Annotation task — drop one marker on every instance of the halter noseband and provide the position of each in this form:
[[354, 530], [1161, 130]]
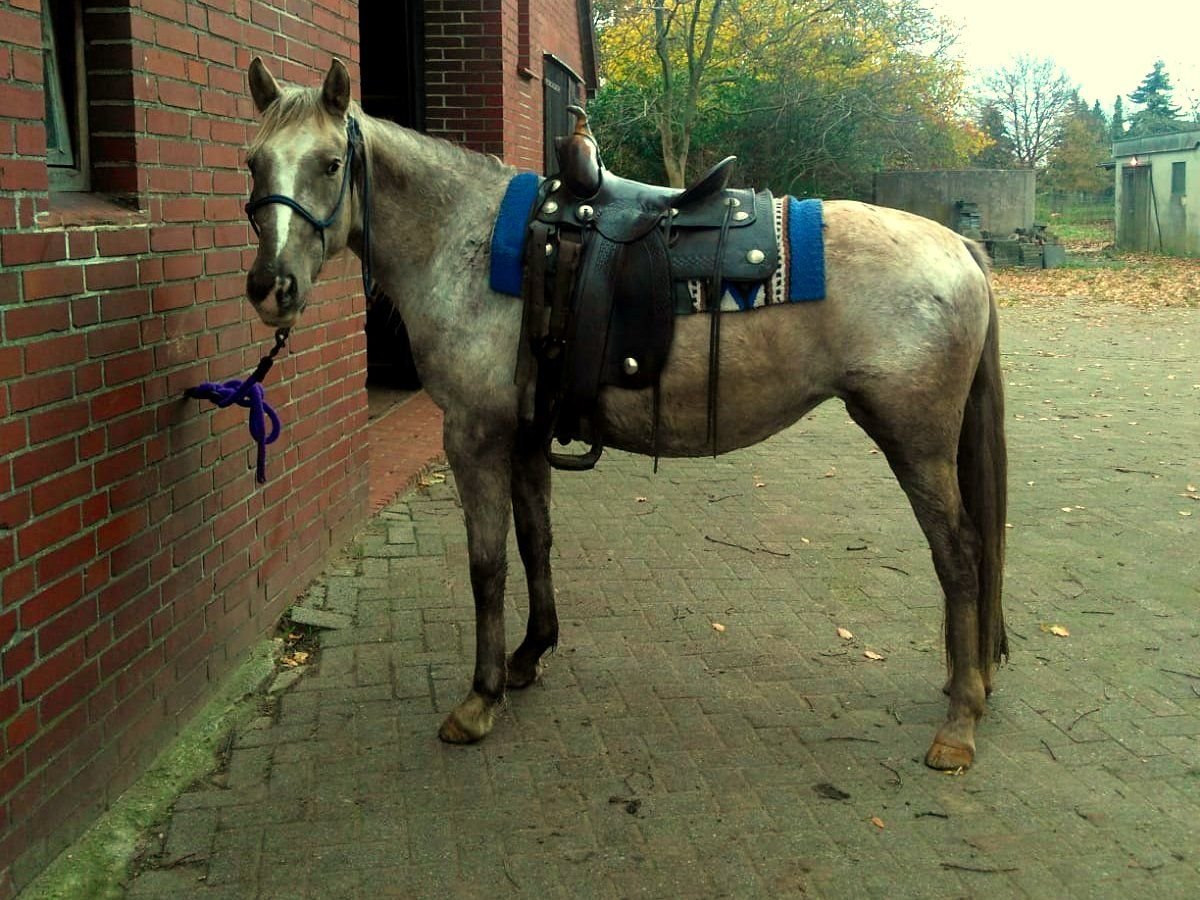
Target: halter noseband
[[353, 136]]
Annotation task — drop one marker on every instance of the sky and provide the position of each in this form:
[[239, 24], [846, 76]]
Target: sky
[[1105, 48]]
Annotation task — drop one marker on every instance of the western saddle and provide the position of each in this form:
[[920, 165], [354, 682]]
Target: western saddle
[[609, 263]]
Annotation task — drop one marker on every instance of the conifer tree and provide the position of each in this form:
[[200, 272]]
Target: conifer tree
[[1157, 115]]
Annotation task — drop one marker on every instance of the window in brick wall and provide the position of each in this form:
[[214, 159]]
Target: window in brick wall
[[66, 95], [560, 89]]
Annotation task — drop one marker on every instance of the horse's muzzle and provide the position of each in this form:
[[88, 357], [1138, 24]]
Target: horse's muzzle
[[276, 297]]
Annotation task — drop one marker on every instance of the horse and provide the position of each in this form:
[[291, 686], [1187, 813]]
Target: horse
[[906, 337]]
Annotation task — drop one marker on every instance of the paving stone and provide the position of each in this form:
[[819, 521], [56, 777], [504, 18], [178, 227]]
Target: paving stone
[[661, 758]]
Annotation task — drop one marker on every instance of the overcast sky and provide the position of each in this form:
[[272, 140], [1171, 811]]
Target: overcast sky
[[1106, 48]]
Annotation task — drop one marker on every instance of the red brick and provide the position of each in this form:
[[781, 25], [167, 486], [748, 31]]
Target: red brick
[[119, 465], [29, 393], [20, 729], [18, 658], [33, 247], [124, 242], [181, 266], [127, 556], [173, 296], [58, 421], [58, 281], [113, 339], [52, 671], [117, 305], [10, 363], [30, 321], [81, 244], [9, 698], [72, 623], [116, 402], [121, 591], [54, 353], [22, 174], [128, 366], [108, 275], [45, 532], [70, 693], [60, 490]]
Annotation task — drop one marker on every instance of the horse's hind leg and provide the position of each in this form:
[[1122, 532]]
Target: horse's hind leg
[[922, 454], [531, 510], [481, 465]]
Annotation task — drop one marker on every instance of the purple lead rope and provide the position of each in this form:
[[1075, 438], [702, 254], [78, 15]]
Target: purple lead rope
[[250, 395]]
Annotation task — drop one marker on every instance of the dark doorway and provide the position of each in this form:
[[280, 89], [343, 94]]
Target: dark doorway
[[392, 54], [1136, 226]]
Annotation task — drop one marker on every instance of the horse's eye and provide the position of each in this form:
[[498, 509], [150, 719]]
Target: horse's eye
[[333, 167]]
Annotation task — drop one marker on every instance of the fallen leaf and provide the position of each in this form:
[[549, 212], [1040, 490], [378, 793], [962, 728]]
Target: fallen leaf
[[831, 473], [1185, 512], [641, 499], [1059, 630], [717, 626], [877, 822], [871, 654], [760, 484], [845, 633]]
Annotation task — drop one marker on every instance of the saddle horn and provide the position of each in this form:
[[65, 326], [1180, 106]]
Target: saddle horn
[[579, 157]]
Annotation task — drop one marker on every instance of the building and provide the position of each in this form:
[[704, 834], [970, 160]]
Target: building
[[139, 561], [1154, 178]]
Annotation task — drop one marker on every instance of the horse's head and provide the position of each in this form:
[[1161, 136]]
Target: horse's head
[[300, 203]]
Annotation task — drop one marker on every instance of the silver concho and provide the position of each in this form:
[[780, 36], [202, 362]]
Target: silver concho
[[754, 257], [630, 366]]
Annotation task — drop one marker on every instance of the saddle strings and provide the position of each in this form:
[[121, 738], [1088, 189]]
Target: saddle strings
[[716, 291]]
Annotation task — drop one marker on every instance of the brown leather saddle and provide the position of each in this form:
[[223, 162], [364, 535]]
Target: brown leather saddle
[[608, 266]]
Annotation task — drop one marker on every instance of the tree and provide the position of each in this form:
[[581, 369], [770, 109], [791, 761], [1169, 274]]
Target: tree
[[1034, 95], [704, 78], [1075, 162], [999, 152], [1117, 127], [1157, 115]]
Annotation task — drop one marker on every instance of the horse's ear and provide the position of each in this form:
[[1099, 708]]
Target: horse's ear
[[263, 87], [335, 93]]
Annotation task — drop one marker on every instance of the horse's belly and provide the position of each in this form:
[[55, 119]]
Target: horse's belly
[[772, 371]]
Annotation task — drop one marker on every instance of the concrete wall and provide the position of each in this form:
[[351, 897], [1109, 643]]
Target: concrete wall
[[1005, 196]]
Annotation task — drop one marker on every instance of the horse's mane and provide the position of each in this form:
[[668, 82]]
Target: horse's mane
[[296, 105]]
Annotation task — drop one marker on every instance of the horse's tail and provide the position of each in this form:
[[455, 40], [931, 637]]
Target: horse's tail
[[983, 481]]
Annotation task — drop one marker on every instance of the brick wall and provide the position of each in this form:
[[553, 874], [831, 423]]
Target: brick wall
[[483, 68], [138, 559]]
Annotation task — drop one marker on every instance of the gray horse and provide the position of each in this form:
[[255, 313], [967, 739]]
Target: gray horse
[[907, 338]]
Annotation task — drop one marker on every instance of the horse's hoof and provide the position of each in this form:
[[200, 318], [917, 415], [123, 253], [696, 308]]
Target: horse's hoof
[[949, 756], [470, 721], [521, 674]]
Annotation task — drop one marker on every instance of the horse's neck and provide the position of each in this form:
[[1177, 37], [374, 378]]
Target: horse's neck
[[430, 202]]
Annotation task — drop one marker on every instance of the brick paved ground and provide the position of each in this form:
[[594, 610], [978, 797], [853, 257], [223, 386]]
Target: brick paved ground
[[662, 758]]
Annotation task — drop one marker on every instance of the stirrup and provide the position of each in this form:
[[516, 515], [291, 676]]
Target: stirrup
[[572, 462]]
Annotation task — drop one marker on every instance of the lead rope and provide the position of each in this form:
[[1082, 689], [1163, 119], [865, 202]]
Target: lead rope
[[249, 394]]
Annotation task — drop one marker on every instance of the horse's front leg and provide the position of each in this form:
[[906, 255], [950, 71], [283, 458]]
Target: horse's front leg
[[481, 461], [531, 510]]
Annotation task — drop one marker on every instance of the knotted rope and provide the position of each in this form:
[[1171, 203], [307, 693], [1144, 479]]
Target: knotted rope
[[250, 395]]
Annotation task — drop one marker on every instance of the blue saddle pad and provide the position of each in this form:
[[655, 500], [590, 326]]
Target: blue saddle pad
[[798, 228]]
